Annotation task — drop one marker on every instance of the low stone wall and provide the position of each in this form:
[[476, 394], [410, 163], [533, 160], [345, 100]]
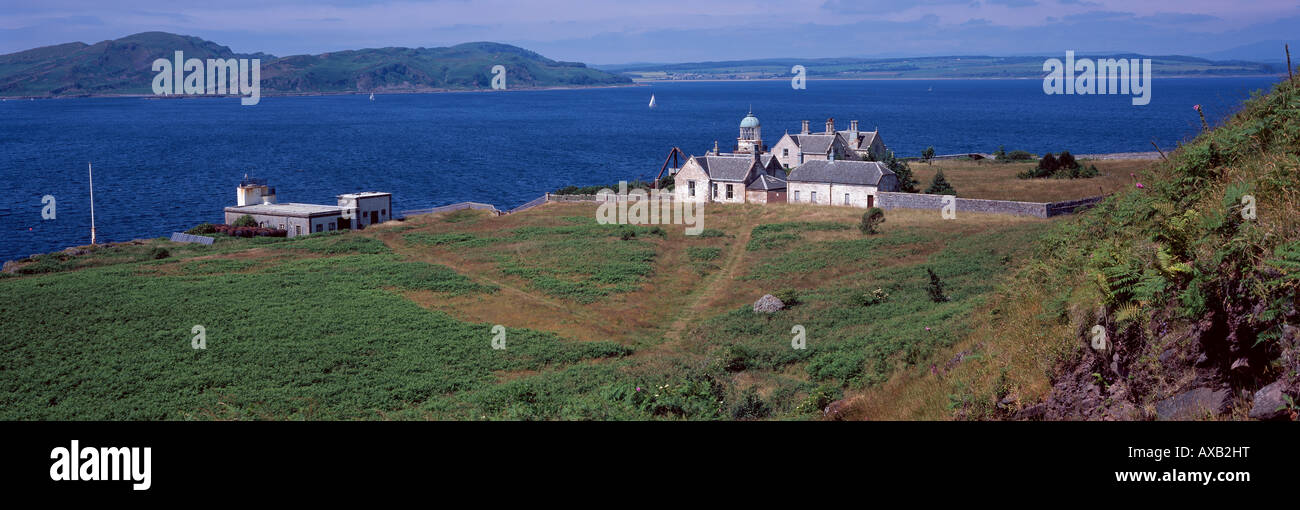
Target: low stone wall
[[896, 200], [1073, 206]]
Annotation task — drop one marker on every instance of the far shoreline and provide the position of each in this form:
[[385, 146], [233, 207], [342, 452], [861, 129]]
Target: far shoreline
[[944, 78], [316, 94]]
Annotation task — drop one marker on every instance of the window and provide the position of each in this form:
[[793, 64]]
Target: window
[[729, 191], [319, 227], [383, 212], [785, 153], [690, 188], [796, 195], [812, 196], [332, 227], [713, 189], [297, 230], [846, 199]]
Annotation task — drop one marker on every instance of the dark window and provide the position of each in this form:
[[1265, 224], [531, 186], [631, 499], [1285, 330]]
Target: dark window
[[319, 227], [729, 191], [812, 196], [690, 185]]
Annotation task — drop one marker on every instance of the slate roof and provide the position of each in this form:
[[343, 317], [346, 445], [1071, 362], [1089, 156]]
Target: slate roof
[[814, 143], [766, 182], [726, 168], [865, 138], [863, 173]]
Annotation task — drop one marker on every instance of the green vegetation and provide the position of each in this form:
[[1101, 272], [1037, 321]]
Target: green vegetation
[[1059, 167], [871, 221], [1211, 239], [121, 67], [592, 190], [244, 221], [940, 186]]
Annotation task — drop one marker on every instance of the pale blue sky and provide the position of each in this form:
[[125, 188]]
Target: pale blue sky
[[621, 31]]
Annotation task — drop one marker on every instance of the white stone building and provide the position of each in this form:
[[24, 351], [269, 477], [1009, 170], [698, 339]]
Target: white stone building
[[847, 183]]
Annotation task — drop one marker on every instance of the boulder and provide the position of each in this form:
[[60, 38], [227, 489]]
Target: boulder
[[835, 410], [768, 304], [1193, 404], [1269, 402]]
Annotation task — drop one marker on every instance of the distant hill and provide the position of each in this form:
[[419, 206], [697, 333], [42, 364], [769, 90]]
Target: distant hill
[[123, 66], [925, 67]]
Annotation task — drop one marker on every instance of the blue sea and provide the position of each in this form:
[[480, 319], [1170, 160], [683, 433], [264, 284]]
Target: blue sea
[[166, 165]]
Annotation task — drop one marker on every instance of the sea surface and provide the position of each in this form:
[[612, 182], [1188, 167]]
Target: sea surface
[[165, 165]]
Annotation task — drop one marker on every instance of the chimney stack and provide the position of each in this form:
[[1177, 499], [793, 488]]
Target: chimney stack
[[805, 128], [830, 126], [715, 147], [853, 125]]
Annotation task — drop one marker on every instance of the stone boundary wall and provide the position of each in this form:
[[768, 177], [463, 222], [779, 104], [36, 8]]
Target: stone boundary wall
[[897, 200]]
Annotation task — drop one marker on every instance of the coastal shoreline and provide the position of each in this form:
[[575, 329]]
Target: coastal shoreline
[[316, 94], [944, 78]]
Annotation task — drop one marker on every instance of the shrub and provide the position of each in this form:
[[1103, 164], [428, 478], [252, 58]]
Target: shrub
[[1067, 161], [871, 219], [940, 186], [935, 289], [750, 407], [1019, 156], [202, 229], [1047, 165], [244, 221], [788, 295], [872, 298], [159, 252]]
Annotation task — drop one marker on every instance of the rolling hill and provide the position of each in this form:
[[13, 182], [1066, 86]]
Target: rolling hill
[[122, 66]]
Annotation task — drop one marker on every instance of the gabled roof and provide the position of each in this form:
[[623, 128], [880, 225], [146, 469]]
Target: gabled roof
[[766, 182], [864, 173], [726, 168], [818, 143], [865, 138]]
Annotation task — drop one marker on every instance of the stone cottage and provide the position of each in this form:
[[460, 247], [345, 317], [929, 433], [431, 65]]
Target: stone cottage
[[847, 183]]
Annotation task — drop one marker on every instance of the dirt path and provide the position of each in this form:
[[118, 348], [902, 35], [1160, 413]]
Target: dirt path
[[704, 293]]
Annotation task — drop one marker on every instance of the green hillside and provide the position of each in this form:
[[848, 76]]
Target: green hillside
[[1188, 284], [925, 67], [123, 66]]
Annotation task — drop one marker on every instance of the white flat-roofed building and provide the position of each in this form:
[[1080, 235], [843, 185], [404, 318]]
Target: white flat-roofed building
[[354, 210]]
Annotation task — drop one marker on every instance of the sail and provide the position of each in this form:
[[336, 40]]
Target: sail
[[652, 100]]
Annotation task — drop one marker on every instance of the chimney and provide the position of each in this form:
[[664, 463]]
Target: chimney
[[805, 128], [853, 125], [830, 126], [715, 147]]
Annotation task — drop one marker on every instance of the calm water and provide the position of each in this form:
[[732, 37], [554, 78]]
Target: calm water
[[163, 166]]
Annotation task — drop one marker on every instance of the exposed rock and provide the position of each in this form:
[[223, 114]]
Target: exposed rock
[[1269, 402], [768, 304], [1031, 413], [835, 410], [1193, 404], [9, 267], [1241, 364]]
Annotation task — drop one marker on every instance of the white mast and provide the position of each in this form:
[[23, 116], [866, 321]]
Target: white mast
[[91, 170]]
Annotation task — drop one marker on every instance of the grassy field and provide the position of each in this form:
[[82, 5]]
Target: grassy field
[[997, 181], [396, 322]]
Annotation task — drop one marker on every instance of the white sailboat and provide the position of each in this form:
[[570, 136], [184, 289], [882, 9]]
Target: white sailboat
[[652, 100], [372, 96]]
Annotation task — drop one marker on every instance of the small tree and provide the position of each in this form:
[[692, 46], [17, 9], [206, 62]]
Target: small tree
[[928, 154], [1001, 152], [1047, 165], [939, 185], [935, 288], [1066, 160], [871, 220], [906, 183], [245, 221]]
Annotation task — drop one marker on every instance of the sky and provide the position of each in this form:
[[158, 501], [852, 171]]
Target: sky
[[627, 31]]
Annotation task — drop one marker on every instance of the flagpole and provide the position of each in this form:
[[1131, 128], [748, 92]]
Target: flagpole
[[91, 170]]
